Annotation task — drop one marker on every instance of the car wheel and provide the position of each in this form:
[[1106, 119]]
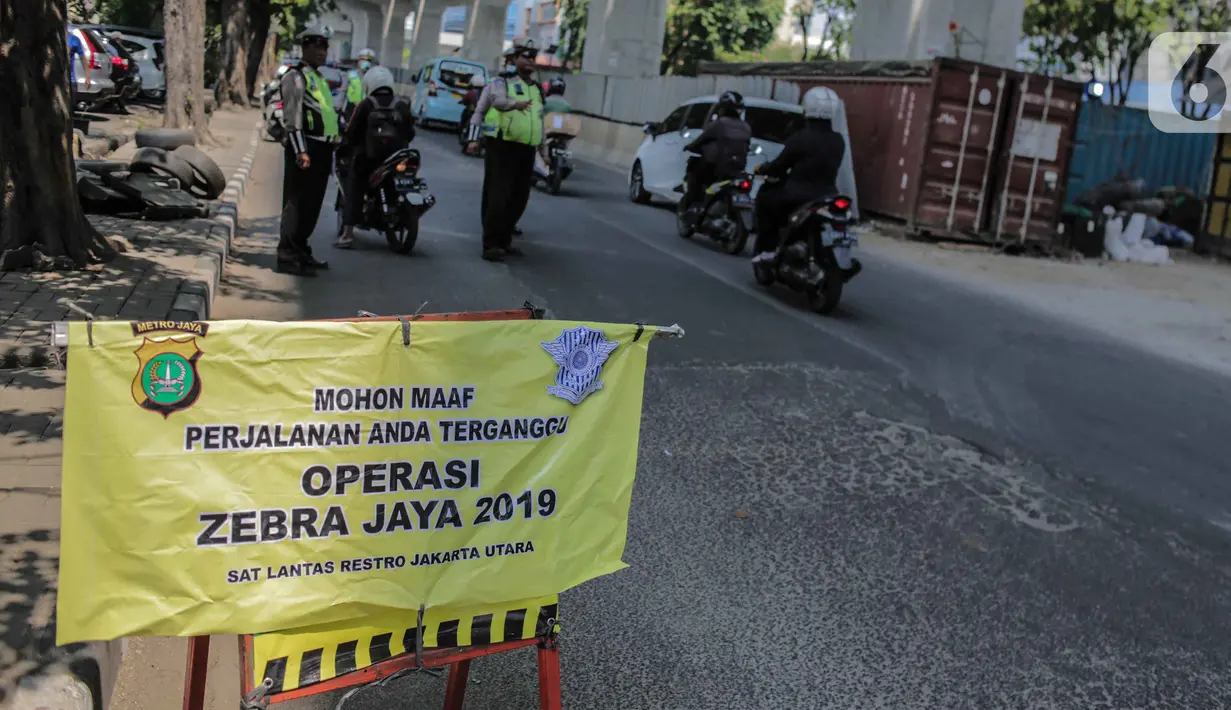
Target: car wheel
[[636, 186], [208, 179], [165, 138], [160, 161]]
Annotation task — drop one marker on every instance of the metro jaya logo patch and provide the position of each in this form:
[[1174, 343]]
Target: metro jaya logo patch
[[167, 379]]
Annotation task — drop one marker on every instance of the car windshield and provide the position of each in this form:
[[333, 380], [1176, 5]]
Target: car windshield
[[456, 75], [771, 124]]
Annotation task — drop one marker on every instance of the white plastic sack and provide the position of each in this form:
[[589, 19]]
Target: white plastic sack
[[1124, 243]]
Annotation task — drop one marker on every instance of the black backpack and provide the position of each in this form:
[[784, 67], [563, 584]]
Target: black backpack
[[382, 137]]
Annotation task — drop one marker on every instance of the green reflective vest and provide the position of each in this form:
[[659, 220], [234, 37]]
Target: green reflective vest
[[319, 117], [354, 89], [517, 126]]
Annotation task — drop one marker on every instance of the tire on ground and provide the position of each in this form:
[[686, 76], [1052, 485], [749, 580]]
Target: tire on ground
[[208, 180], [159, 160], [165, 138], [101, 167]]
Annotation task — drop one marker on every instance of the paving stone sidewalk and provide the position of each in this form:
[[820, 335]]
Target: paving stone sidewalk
[[169, 270]]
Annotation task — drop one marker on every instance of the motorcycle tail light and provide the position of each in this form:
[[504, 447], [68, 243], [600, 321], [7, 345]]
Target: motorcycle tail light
[[401, 167], [279, 104], [745, 185], [117, 62], [841, 203]]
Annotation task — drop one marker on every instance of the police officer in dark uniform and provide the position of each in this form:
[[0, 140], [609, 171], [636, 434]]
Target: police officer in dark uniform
[[510, 116], [311, 135]]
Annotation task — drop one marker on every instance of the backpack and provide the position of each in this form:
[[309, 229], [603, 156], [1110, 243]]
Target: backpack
[[382, 137]]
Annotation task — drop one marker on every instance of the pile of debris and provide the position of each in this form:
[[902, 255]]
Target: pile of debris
[[167, 178], [1118, 218]]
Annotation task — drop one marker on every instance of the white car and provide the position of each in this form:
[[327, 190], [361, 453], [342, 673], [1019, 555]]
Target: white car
[[661, 161]]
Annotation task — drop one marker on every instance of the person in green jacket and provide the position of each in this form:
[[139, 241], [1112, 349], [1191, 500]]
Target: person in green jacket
[[555, 102], [354, 81]]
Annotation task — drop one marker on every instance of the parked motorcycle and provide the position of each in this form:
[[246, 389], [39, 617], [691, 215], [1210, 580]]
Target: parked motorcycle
[[725, 215], [814, 255], [551, 173], [271, 110], [395, 200]]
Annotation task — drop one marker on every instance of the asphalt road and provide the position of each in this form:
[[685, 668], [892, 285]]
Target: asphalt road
[[931, 500]]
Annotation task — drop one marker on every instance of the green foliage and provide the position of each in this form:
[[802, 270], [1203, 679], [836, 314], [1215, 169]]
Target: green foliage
[[573, 18], [292, 15], [1106, 38], [697, 30]]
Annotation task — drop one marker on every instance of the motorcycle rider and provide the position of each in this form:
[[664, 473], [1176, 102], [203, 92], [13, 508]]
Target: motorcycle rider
[[471, 97], [809, 163], [311, 134], [354, 80], [555, 102], [380, 126], [723, 146]]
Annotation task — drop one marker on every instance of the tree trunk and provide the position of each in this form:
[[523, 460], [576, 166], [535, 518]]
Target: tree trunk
[[184, 22], [41, 220], [233, 85], [268, 66], [258, 34]]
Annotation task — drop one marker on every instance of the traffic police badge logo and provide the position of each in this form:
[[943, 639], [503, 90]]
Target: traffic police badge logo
[[167, 380], [580, 352]]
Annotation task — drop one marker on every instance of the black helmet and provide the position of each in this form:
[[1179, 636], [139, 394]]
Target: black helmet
[[555, 86], [730, 103]]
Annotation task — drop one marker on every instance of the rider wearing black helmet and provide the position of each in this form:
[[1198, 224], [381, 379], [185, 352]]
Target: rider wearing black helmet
[[555, 103], [723, 146]]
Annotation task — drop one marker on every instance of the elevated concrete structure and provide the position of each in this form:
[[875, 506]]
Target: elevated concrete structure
[[484, 40], [990, 30], [624, 38], [425, 40]]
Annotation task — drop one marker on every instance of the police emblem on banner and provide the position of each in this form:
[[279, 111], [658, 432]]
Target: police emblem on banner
[[167, 380], [580, 352]]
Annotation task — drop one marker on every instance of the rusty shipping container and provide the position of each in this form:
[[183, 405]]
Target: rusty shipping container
[[951, 147]]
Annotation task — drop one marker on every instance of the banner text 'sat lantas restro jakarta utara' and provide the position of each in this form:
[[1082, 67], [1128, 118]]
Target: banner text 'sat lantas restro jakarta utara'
[[244, 477]]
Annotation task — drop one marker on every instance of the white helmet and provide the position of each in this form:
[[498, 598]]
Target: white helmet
[[821, 102], [377, 78], [367, 54], [477, 81]]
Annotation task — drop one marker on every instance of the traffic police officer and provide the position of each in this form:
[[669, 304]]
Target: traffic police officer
[[311, 135], [354, 84], [510, 117]]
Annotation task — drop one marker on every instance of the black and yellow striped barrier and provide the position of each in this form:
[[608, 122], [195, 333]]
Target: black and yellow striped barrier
[[305, 657]]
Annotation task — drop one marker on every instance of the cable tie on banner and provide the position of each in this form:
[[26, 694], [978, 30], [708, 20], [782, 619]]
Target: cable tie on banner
[[367, 314], [89, 317], [405, 331], [640, 331]]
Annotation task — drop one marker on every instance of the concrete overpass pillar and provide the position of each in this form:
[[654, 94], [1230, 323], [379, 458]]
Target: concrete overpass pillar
[[625, 37], [393, 32], [919, 29], [425, 44], [484, 40]]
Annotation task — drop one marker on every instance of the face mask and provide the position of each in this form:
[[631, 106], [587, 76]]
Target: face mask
[[365, 65]]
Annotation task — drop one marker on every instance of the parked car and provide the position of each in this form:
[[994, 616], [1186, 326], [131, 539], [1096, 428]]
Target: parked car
[[660, 162], [439, 88], [125, 72], [147, 48], [100, 88]]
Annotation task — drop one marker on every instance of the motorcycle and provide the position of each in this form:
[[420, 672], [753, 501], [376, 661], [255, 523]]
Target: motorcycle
[[271, 110], [725, 215], [395, 200], [550, 174], [814, 255]]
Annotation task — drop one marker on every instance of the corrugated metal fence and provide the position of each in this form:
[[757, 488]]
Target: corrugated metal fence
[[1112, 140], [642, 100]]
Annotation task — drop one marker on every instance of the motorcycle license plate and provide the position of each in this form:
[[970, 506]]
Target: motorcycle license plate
[[278, 113], [417, 199], [835, 238], [742, 200], [404, 184]]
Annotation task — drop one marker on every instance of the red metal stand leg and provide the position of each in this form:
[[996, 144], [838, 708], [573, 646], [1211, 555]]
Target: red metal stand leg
[[549, 676], [455, 686], [194, 674]]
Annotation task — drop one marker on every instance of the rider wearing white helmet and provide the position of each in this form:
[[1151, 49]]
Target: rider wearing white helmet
[[354, 80], [808, 167], [380, 126]]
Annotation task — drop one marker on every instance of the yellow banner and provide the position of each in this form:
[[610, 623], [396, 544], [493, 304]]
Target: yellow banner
[[246, 477]]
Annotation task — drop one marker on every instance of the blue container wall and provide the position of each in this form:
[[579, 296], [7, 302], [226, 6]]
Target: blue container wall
[[1110, 140]]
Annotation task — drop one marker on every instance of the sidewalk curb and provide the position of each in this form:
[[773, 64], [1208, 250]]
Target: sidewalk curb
[[195, 297]]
